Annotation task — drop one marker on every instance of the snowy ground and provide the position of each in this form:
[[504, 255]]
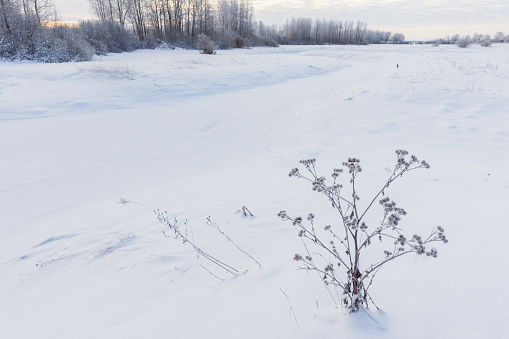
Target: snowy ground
[[201, 136]]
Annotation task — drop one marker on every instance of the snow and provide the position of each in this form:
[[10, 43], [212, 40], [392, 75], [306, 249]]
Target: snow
[[203, 135]]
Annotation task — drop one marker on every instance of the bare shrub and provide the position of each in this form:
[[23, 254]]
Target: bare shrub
[[336, 249], [266, 41], [485, 43], [75, 46], [108, 37], [239, 42], [463, 42], [206, 45]]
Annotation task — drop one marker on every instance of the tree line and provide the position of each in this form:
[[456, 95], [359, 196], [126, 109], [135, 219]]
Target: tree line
[[180, 21], [226, 20], [322, 31], [483, 39], [29, 29]]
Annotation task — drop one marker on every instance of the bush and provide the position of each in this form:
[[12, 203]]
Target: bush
[[206, 45], [51, 45], [74, 44], [239, 42], [337, 249], [269, 42], [463, 42], [224, 39], [485, 43], [108, 37], [264, 41]]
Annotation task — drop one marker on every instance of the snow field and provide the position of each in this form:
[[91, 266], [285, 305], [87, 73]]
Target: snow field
[[203, 136]]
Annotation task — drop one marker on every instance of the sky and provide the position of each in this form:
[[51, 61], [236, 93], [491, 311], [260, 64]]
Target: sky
[[418, 20]]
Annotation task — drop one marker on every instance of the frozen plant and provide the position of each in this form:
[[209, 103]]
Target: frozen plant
[[206, 45], [188, 238], [338, 250], [111, 71], [463, 42], [485, 43]]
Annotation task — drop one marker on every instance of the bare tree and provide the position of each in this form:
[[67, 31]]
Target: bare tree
[[7, 11], [100, 8], [42, 10], [178, 14], [120, 10], [138, 18], [155, 15]]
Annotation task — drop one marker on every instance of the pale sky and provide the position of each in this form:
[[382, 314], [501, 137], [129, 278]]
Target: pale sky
[[418, 20]]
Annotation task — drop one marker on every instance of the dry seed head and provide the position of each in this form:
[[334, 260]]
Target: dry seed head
[[307, 162], [420, 249], [336, 186], [336, 172], [433, 253], [418, 239], [293, 171]]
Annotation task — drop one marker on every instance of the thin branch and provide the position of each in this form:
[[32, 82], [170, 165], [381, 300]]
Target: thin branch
[[216, 226], [291, 307], [212, 274], [163, 218], [245, 211]]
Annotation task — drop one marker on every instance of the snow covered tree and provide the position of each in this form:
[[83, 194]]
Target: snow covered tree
[[499, 37], [398, 38]]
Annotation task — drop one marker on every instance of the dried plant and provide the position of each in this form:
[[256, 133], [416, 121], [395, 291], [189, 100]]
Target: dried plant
[[338, 248], [187, 237], [111, 71], [216, 226], [245, 211], [206, 45]]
